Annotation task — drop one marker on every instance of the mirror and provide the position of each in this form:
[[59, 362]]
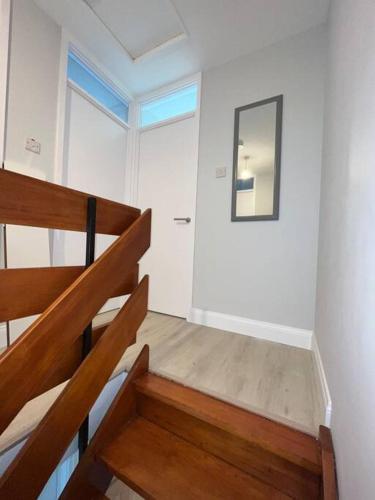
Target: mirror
[[256, 160]]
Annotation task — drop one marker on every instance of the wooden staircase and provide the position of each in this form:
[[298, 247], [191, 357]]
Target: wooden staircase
[[175, 442], [164, 440]]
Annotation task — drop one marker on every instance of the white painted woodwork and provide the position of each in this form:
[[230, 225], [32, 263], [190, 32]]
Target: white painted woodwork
[[167, 184]]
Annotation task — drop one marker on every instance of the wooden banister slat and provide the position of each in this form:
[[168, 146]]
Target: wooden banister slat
[[70, 360], [121, 410], [30, 470], [28, 201], [24, 292], [28, 361]]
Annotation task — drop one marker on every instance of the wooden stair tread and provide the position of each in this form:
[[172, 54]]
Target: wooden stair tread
[[281, 440], [158, 464]]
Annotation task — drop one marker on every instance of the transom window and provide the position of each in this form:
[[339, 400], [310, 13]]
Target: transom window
[[91, 83], [171, 105]]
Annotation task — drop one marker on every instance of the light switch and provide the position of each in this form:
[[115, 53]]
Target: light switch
[[221, 172], [33, 145]]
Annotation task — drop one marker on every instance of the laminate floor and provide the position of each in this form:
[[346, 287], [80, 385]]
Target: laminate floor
[[272, 379]]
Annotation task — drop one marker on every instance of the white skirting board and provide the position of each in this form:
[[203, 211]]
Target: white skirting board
[[327, 401], [297, 337]]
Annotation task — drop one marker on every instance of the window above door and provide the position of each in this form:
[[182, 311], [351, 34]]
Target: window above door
[[171, 105], [80, 74]]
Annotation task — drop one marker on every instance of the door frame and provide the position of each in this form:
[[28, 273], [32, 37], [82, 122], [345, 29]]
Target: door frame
[[134, 166]]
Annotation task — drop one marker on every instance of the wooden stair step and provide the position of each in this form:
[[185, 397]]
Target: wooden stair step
[[274, 470], [290, 444], [158, 464]]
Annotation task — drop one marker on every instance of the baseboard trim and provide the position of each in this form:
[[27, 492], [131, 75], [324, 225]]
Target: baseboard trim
[[288, 335], [327, 401]]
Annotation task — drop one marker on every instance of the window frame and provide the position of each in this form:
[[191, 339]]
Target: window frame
[[105, 82], [160, 95]]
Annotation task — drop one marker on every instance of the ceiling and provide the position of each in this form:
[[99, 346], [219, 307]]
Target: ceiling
[[140, 26], [150, 43]]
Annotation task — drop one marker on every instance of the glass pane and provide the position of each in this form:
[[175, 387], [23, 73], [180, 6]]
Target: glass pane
[[85, 78], [174, 104]]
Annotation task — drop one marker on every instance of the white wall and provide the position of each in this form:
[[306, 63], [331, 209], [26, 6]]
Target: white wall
[[262, 270], [31, 112], [345, 319], [33, 86]]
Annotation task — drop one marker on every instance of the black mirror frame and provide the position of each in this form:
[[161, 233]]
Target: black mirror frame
[[278, 139]]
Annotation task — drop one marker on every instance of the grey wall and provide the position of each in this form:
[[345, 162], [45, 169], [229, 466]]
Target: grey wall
[[262, 270], [345, 320], [33, 87]]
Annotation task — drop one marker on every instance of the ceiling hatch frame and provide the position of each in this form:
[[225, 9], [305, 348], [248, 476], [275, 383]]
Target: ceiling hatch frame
[[183, 35]]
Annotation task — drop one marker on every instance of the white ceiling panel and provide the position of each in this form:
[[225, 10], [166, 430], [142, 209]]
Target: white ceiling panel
[[218, 31], [139, 25]]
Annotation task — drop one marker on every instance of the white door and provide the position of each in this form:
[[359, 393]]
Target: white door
[[167, 184], [94, 162]]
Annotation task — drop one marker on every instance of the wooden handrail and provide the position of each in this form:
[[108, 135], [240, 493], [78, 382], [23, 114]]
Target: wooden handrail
[[40, 286], [28, 201], [40, 346], [26, 476]]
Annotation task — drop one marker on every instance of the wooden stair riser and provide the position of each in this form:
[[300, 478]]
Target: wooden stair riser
[[290, 444], [278, 472]]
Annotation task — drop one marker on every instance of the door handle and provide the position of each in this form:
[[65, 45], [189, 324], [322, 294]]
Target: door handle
[[183, 219]]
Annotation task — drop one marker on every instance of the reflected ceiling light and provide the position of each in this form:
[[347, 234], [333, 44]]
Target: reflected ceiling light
[[246, 174], [240, 144]]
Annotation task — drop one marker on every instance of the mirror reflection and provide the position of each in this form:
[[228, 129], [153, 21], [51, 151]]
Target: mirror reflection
[[257, 145]]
